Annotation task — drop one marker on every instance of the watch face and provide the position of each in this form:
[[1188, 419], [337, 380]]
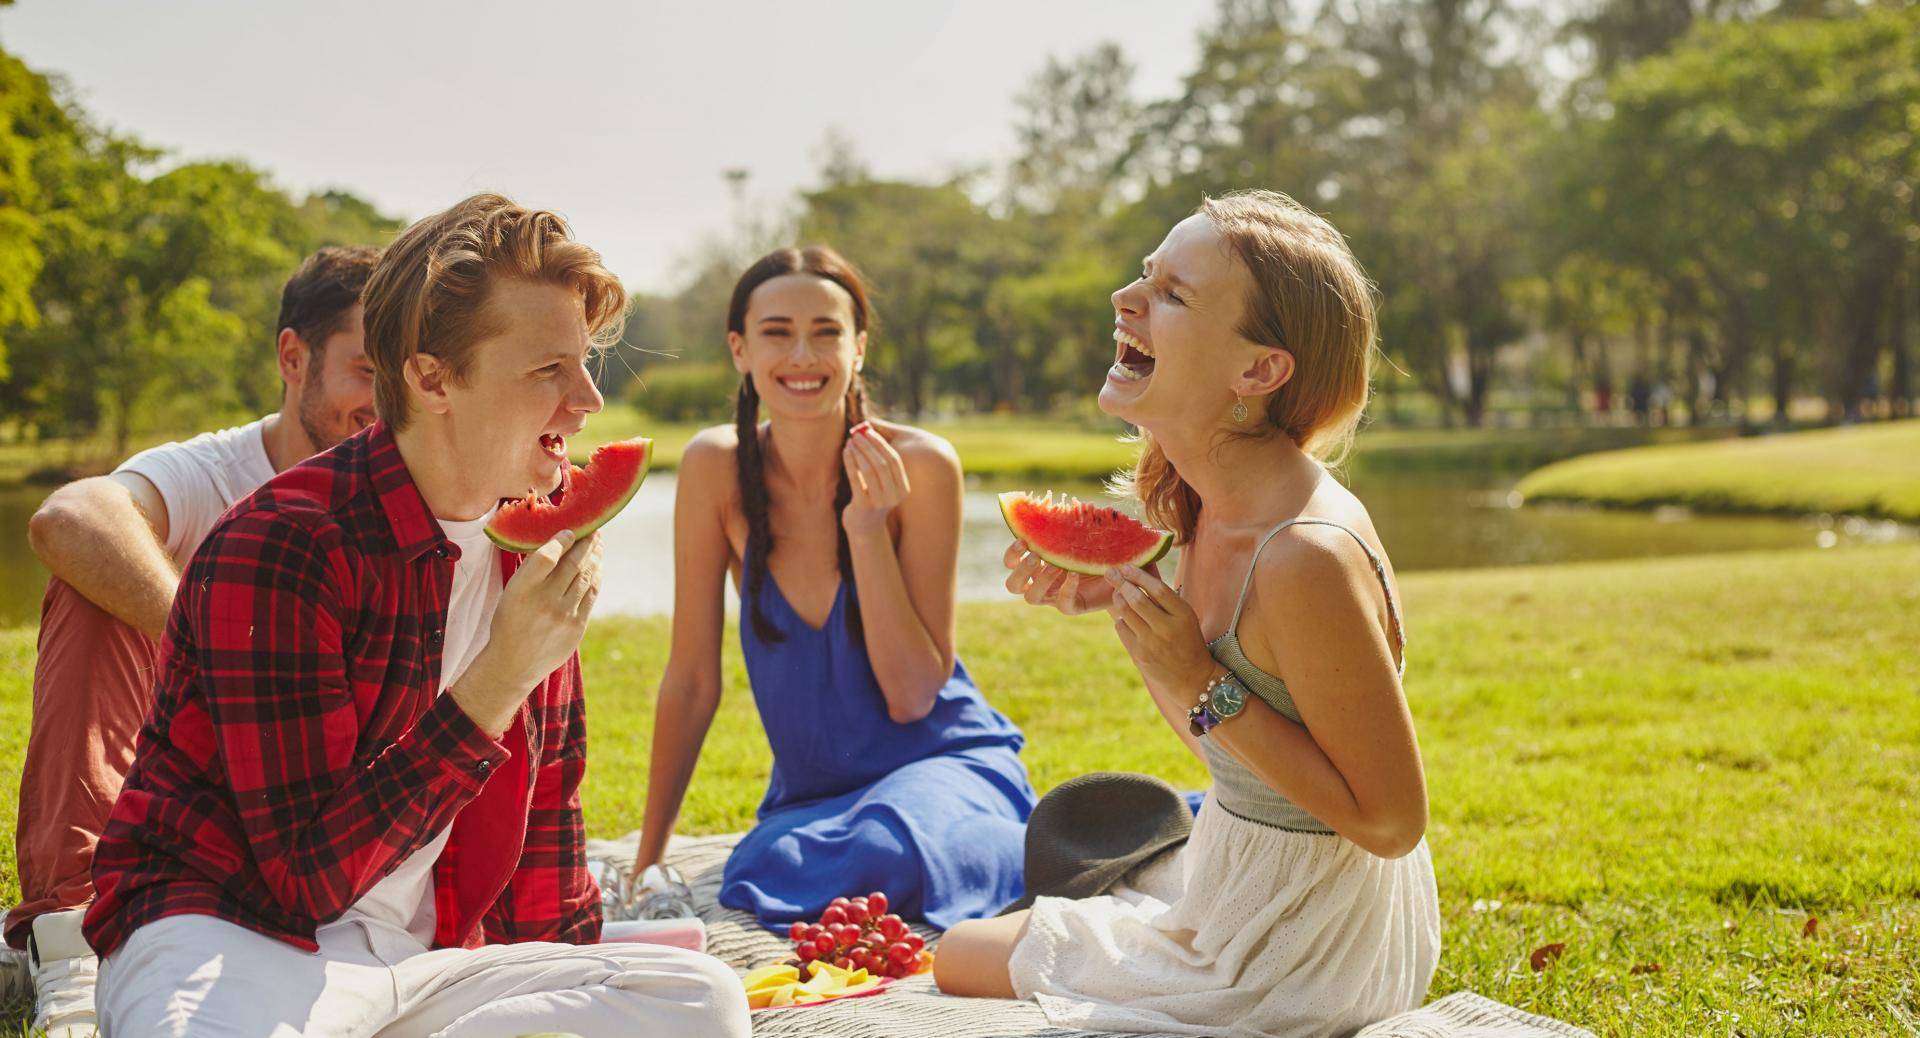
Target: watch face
[[1228, 698]]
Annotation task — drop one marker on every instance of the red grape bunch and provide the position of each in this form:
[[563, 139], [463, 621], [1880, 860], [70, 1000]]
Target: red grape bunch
[[858, 933]]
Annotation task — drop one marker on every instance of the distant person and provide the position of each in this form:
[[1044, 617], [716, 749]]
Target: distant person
[[115, 546], [1603, 399], [1303, 902], [1867, 406], [890, 770], [355, 806], [1640, 398]]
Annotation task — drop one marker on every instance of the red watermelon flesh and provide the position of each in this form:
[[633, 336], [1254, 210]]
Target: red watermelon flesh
[[1080, 537], [592, 496]]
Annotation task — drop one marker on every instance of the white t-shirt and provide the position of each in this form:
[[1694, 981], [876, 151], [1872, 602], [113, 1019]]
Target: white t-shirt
[[404, 900], [199, 479]]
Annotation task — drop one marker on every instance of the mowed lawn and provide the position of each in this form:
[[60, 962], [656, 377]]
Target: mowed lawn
[[1698, 775], [1867, 470], [999, 446], [994, 445]]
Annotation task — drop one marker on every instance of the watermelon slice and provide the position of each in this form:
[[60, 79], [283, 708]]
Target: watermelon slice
[[592, 496], [1080, 537]]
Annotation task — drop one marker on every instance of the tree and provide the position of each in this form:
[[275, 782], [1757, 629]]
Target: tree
[[1764, 175], [129, 298], [929, 254], [1075, 129], [32, 125]]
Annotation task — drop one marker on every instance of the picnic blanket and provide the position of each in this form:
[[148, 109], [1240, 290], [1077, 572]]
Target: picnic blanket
[[913, 1008]]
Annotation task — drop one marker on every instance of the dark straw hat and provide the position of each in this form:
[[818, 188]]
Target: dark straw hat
[[1089, 832]]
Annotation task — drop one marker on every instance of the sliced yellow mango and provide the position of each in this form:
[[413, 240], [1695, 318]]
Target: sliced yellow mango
[[771, 976], [780, 985]]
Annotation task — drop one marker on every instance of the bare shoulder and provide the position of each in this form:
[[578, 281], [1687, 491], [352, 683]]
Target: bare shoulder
[[1309, 561], [711, 453], [1311, 565], [1315, 587], [925, 454], [709, 463]]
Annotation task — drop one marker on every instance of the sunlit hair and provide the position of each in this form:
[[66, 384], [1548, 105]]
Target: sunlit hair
[[1310, 298], [316, 299], [826, 264], [429, 292]]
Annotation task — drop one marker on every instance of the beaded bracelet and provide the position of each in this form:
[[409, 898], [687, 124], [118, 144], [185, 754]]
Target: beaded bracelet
[[1200, 717]]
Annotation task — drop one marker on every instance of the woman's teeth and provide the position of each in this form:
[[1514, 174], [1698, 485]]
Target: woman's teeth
[[803, 385], [555, 446], [1126, 339], [1135, 360]]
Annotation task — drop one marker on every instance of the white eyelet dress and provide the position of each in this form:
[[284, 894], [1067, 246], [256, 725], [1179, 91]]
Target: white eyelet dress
[[1265, 924]]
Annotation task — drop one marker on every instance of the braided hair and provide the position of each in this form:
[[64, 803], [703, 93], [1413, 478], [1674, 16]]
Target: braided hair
[[822, 262]]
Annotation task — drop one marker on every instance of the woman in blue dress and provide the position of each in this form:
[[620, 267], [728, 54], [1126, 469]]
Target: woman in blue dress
[[890, 771]]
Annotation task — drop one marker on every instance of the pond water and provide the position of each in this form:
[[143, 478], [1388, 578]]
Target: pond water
[[1451, 521]]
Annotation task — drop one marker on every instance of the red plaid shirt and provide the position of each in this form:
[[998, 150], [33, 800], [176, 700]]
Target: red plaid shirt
[[298, 751]]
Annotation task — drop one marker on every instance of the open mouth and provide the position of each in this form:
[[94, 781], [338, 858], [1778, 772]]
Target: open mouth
[[1133, 360], [802, 385], [554, 445]]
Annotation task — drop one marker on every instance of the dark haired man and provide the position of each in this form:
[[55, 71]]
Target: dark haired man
[[115, 546]]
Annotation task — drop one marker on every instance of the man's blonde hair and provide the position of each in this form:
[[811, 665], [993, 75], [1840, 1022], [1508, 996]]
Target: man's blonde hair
[[429, 292]]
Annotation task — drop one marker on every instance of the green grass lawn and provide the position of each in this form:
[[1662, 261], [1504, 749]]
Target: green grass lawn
[[1669, 767], [1385, 448], [51, 461], [1868, 470], [998, 446], [1004, 446], [991, 445]]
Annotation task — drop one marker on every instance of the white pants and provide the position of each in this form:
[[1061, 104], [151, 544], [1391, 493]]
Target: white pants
[[194, 976]]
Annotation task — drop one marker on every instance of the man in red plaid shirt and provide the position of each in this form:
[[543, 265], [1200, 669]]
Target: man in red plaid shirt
[[355, 806]]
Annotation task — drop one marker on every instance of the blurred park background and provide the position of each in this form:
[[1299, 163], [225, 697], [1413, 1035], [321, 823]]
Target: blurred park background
[[1650, 274], [1616, 212]]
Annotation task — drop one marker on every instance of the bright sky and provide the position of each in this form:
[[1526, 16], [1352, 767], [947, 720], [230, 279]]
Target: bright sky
[[620, 115]]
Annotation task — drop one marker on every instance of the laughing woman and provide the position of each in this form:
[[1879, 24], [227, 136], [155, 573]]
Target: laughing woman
[[890, 771], [1304, 901]]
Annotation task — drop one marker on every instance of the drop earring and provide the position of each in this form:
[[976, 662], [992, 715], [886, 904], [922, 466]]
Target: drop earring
[[1240, 411]]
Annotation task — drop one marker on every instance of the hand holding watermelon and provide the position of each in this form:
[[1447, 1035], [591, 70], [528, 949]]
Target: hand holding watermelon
[[1040, 583], [1062, 548], [1159, 630], [537, 626]]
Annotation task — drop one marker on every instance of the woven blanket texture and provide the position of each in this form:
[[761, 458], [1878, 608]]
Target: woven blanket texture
[[915, 1009]]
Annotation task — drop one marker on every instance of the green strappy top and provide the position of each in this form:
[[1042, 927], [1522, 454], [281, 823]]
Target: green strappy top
[[1236, 788]]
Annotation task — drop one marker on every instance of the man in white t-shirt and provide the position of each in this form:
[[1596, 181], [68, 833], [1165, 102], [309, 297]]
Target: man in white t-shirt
[[115, 546]]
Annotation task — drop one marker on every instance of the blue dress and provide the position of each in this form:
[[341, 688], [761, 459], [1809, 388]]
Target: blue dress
[[933, 813]]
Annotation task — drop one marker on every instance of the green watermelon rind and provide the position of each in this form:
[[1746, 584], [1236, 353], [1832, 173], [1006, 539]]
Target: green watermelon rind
[[606, 515], [1069, 563]]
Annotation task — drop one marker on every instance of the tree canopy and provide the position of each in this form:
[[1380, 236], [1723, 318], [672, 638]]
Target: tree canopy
[[137, 293]]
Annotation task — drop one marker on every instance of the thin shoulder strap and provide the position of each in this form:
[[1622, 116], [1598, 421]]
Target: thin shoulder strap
[[1379, 570]]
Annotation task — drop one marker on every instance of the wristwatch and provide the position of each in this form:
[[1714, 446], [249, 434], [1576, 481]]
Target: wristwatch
[[1222, 700]]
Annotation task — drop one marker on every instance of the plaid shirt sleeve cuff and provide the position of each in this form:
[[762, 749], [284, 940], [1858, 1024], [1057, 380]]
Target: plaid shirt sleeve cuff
[[462, 750]]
